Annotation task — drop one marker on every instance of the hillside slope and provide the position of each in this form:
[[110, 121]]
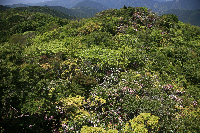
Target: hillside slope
[[59, 11], [45, 10], [20, 20], [124, 70], [4, 7]]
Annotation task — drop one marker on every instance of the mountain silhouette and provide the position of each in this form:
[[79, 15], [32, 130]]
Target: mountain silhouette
[[93, 4]]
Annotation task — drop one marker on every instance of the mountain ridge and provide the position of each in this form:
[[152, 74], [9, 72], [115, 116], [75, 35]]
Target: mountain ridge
[[90, 3], [186, 16]]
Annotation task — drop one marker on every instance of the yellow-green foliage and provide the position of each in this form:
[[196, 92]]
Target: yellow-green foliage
[[69, 68], [89, 27], [73, 107], [114, 58], [46, 66], [50, 91], [78, 115], [95, 101], [140, 123], [86, 129], [72, 101], [47, 36], [47, 43], [50, 48]]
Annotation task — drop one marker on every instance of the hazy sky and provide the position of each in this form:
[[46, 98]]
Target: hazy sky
[[10, 2]]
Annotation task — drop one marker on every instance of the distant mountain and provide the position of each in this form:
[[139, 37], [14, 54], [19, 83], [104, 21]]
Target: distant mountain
[[11, 2], [176, 4], [84, 12], [189, 4], [155, 5], [80, 7], [117, 4], [78, 12], [186, 16], [63, 3], [89, 3], [63, 10], [18, 5]]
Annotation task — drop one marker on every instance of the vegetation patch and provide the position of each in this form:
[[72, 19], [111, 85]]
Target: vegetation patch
[[126, 70]]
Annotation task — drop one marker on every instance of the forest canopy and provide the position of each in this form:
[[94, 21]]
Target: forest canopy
[[124, 70]]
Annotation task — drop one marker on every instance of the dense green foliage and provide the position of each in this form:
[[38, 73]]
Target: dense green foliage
[[125, 70], [18, 22], [4, 7], [45, 10]]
